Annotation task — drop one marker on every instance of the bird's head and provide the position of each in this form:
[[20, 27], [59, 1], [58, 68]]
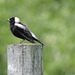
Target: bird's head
[[14, 20]]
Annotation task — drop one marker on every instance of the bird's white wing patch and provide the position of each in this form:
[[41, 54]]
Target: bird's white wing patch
[[33, 35], [20, 26]]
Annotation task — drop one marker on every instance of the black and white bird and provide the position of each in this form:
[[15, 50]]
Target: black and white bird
[[21, 31]]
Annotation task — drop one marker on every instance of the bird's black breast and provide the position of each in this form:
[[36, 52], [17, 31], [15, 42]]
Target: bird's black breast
[[15, 30]]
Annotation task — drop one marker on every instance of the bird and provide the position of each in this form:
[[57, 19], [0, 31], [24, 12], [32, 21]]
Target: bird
[[21, 31]]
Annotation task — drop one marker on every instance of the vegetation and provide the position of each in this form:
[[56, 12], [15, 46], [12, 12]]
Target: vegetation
[[53, 23]]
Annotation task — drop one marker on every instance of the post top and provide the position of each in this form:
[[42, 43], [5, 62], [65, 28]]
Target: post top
[[26, 44]]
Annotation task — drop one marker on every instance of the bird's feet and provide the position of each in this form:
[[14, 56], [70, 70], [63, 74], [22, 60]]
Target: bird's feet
[[22, 41]]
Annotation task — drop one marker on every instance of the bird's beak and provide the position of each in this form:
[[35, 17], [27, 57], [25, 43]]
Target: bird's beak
[[8, 19]]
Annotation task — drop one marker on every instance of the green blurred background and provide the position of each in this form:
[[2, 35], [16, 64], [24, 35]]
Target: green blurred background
[[53, 23]]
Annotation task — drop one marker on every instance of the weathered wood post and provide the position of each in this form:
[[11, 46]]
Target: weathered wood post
[[25, 59]]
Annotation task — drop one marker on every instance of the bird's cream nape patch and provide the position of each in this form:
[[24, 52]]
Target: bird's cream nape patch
[[17, 20]]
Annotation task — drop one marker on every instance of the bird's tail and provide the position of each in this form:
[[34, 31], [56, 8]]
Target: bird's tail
[[38, 41]]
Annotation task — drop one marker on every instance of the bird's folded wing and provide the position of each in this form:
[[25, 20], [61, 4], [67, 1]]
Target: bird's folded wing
[[26, 33]]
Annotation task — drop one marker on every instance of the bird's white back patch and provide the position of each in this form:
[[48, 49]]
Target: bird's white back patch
[[19, 25], [33, 35], [17, 20]]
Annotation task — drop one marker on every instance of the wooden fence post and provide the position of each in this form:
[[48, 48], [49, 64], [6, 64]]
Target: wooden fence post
[[25, 59]]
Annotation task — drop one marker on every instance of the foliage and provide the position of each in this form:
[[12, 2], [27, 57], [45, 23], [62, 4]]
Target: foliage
[[53, 23]]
